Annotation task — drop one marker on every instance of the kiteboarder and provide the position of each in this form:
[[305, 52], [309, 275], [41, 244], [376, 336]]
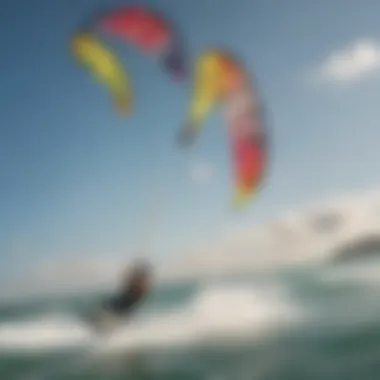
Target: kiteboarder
[[133, 291]]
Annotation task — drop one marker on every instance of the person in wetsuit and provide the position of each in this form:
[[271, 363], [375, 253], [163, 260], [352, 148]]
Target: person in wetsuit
[[133, 291]]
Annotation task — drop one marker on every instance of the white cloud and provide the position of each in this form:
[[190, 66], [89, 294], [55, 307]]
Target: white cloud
[[201, 172], [352, 63], [290, 239]]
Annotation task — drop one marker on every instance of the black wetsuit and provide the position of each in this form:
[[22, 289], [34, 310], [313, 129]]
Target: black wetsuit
[[125, 302]]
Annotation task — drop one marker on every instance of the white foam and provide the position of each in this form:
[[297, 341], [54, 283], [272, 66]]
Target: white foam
[[46, 332], [222, 312]]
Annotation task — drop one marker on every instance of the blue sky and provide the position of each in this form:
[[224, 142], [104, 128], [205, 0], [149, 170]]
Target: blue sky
[[77, 180]]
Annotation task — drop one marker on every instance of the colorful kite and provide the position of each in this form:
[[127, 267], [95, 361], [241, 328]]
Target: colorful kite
[[220, 79], [105, 66]]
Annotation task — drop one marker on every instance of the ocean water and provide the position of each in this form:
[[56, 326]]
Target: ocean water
[[303, 323]]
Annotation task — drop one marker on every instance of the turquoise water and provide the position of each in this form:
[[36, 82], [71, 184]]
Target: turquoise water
[[304, 323]]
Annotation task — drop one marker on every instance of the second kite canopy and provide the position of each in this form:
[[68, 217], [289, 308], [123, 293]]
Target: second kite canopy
[[220, 79]]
